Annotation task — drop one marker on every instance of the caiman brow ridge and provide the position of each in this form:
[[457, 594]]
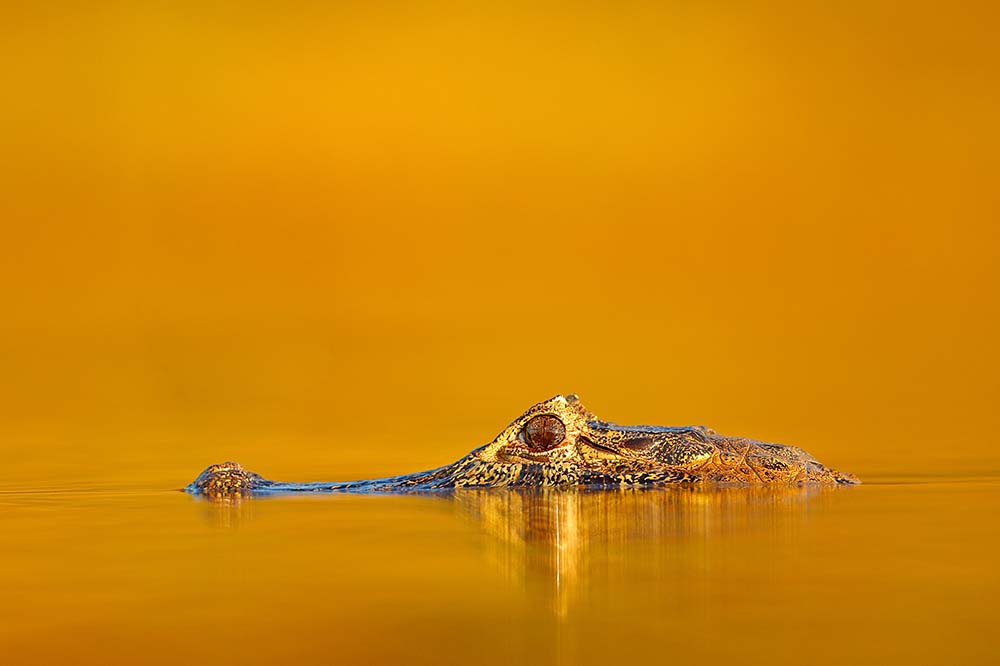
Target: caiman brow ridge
[[557, 443]]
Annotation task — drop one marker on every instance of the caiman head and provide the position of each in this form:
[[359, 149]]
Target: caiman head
[[561, 438], [559, 443]]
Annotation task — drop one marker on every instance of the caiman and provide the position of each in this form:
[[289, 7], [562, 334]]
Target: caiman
[[559, 442]]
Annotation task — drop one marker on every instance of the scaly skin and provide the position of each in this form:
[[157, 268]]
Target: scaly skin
[[559, 443]]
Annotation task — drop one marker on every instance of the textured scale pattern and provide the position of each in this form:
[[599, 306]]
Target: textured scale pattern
[[559, 443]]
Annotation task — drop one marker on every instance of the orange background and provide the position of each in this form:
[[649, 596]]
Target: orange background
[[334, 242]]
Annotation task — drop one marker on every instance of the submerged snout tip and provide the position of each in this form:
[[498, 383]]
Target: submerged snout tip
[[846, 478]]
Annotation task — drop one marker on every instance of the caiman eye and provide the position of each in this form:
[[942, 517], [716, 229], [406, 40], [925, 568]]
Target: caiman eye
[[543, 432]]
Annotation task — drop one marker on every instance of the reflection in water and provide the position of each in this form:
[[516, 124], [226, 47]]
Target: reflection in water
[[558, 544], [228, 512]]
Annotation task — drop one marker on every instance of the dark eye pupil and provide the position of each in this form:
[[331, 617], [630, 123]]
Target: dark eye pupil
[[544, 432]]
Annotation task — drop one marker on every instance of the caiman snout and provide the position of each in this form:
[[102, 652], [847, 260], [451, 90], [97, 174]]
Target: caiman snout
[[228, 478]]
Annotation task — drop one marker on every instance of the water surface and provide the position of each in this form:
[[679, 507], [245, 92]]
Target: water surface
[[895, 569], [350, 239]]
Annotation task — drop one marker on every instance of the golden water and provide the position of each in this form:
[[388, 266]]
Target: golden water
[[343, 240], [893, 570]]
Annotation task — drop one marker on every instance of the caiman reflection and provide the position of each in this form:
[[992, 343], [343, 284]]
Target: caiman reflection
[[557, 542], [563, 545]]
